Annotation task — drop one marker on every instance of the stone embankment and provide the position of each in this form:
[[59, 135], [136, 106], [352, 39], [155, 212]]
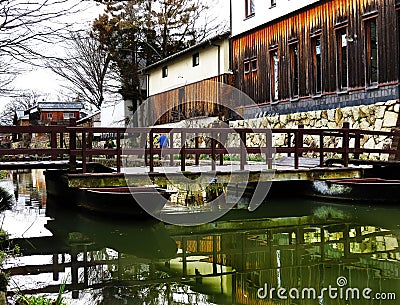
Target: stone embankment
[[383, 116]]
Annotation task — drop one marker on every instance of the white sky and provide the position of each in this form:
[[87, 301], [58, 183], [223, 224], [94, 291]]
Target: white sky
[[46, 82]]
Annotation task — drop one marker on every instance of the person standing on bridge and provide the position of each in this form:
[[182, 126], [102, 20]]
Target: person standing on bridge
[[163, 141]]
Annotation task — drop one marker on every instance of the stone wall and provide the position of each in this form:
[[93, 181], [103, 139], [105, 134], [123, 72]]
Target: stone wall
[[383, 116]]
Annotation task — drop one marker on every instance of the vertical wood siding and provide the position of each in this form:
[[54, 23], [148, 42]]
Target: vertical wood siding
[[323, 19], [197, 99]]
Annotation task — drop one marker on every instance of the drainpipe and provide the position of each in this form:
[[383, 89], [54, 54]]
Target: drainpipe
[[219, 71]]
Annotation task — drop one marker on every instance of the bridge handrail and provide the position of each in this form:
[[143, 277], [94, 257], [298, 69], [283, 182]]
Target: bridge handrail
[[294, 145]]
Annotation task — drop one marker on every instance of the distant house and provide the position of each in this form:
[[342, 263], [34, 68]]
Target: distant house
[[90, 120], [54, 113], [185, 84], [20, 118]]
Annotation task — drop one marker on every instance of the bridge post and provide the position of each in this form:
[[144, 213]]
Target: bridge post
[[183, 150], [72, 146], [268, 146], [151, 140], [53, 142], [119, 153], [213, 157], [171, 145], [345, 157], [243, 152], [298, 145], [196, 145], [83, 152], [357, 144], [321, 149]]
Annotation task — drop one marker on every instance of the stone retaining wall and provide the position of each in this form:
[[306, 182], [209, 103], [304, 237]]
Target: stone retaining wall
[[383, 116]]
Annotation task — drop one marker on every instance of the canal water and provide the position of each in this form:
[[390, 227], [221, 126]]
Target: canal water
[[291, 251]]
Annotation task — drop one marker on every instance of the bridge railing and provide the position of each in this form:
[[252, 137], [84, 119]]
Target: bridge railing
[[76, 142]]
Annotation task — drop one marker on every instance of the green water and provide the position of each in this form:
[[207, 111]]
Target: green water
[[290, 252]]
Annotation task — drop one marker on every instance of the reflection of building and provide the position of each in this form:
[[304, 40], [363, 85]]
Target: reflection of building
[[298, 256], [227, 263], [183, 85]]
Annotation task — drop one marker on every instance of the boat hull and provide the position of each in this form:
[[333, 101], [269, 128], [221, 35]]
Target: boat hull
[[367, 190], [133, 202]]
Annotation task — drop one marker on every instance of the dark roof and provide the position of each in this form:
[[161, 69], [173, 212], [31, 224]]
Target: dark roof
[[209, 41], [60, 105], [55, 106]]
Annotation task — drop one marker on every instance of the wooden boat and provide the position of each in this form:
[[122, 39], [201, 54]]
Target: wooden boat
[[135, 201], [366, 190]]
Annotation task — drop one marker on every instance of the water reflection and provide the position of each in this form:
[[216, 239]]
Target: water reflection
[[300, 246]]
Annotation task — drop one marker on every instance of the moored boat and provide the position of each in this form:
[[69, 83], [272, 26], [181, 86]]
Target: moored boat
[[135, 201], [366, 190]]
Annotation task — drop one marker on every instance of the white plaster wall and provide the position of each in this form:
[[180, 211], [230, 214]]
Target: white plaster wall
[[181, 71], [263, 13]]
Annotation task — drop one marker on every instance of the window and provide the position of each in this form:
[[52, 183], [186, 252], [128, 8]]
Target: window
[[164, 71], [371, 52], [196, 59], [274, 80], [341, 59], [249, 9], [273, 3], [317, 64], [68, 115], [49, 116], [246, 67], [253, 64], [294, 69], [250, 65]]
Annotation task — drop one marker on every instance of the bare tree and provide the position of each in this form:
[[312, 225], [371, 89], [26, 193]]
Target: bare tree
[[7, 76], [24, 101], [85, 67], [26, 25]]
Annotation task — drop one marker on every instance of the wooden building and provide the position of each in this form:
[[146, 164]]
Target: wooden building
[[54, 113], [185, 84], [304, 55]]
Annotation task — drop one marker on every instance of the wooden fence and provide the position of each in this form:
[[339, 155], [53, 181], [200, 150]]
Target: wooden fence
[[80, 144]]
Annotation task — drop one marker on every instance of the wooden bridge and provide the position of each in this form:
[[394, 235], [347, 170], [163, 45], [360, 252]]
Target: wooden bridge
[[64, 145]]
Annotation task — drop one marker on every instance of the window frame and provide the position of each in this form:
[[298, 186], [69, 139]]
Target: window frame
[[342, 61], [294, 69], [164, 72], [196, 59], [249, 8], [371, 77], [68, 115], [317, 68], [274, 73]]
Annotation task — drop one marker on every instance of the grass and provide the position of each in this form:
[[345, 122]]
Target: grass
[[42, 300], [3, 174]]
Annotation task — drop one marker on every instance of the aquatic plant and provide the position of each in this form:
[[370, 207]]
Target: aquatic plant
[[42, 300], [328, 212], [3, 174]]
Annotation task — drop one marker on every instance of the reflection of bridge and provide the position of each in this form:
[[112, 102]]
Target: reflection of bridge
[[234, 258], [72, 142]]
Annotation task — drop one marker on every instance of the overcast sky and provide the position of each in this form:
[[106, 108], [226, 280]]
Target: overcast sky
[[44, 81]]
